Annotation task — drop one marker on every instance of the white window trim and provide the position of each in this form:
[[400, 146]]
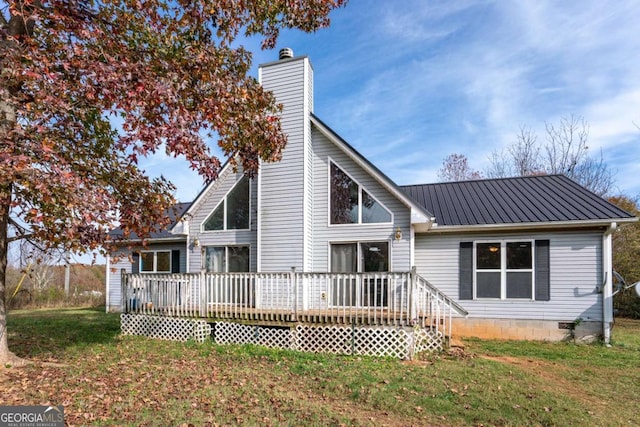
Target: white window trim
[[155, 261], [224, 212], [360, 189], [359, 265], [226, 256], [503, 270]]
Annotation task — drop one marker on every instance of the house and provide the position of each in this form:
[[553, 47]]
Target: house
[[327, 236]]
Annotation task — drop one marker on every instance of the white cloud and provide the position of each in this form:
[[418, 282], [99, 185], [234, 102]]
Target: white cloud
[[614, 121]]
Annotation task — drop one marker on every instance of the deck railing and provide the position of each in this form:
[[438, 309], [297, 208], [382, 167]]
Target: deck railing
[[434, 309], [392, 299]]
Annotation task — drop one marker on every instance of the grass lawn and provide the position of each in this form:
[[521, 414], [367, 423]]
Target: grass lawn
[[106, 379]]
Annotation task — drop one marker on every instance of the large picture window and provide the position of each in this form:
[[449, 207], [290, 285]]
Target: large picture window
[[155, 262], [360, 290], [227, 259], [504, 270], [233, 211], [352, 204]]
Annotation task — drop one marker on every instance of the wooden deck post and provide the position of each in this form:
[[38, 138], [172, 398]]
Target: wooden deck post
[[123, 291], [293, 282], [202, 285], [413, 298]]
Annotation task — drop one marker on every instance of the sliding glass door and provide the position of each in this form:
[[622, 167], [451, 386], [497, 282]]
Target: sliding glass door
[[359, 290]]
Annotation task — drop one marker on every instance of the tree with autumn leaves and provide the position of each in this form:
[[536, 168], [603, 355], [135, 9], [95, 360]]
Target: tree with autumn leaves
[[89, 87]]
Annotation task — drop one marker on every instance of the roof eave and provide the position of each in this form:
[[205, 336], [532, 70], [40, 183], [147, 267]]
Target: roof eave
[[574, 224], [176, 239]]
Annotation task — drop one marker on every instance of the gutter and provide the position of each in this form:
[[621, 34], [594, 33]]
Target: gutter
[[574, 224], [107, 279]]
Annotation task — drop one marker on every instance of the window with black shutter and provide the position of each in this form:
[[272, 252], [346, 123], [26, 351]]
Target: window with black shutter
[[503, 269]]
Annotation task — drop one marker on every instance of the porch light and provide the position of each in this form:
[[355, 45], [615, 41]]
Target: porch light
[[196, 242], [398, 234]]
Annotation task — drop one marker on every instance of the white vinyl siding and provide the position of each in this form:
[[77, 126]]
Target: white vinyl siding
[[575, 275], [114, 286], [308, 166], [285, 185]]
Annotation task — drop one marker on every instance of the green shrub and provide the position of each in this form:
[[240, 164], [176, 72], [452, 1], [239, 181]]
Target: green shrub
[[627, 304]]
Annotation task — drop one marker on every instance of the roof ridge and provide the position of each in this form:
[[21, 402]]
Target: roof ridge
[[505, 178]]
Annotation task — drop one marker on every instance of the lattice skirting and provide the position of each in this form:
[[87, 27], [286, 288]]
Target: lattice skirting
[[370, 341], [234, 333], [428, 340], [401, 343], [167, 328]]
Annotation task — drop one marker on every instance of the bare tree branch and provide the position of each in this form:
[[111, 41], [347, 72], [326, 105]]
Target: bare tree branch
[[565, 151], [499, 166], [526, 153], [455, 167]]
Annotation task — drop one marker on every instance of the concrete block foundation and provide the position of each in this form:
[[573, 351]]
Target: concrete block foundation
[[523, 329]]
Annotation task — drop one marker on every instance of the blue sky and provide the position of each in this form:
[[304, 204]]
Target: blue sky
[[409, 82]]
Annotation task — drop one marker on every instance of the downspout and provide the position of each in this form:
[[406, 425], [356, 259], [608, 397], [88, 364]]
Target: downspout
[[187, 247], [186, 230], [607, 288], [107, 279]]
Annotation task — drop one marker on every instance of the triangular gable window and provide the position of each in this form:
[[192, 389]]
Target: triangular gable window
[[233, 211], [352, 204]]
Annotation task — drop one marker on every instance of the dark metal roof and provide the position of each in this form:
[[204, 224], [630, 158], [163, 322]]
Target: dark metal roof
[[174, 214], [530, 199]]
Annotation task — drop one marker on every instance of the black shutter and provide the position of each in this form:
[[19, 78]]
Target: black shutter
[[543, 292], [135, 263], [465, 275], [175, 261]]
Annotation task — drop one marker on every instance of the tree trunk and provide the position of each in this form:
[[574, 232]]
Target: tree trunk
[[13, 25], [4, 246], [6, 357]]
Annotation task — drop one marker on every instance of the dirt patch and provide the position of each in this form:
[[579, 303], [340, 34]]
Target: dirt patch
[[553, 374]]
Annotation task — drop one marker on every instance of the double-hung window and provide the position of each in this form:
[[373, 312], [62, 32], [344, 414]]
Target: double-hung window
[[155, 262], [350, 203], [504, 269], [232, 213]]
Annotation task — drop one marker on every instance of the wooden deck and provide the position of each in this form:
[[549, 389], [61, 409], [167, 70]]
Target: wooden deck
[[377, 299], [252, 315]]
